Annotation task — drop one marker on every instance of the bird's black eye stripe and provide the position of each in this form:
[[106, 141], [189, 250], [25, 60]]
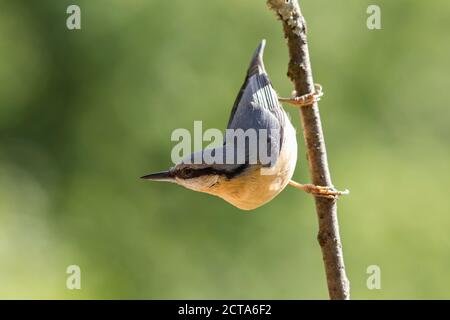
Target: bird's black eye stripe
[[185, 173], [190, 173]]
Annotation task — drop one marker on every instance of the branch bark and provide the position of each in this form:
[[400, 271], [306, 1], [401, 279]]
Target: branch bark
[[299, 71]]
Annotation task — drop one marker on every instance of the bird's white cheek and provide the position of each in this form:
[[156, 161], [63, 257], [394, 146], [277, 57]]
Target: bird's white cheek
[[198, 184], [189, 183]]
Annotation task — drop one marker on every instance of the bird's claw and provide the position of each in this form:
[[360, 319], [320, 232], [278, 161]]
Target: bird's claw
[[319, 191], [305, 100], [324, 192]]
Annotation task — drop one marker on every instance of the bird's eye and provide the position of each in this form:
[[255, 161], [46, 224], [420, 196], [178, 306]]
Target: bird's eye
[[187, 172]]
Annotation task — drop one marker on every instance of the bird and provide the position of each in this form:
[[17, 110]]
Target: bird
[[250, 183]]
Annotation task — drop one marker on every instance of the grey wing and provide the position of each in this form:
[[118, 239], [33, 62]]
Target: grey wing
[[258, 106], [256, 67], [256, 92], [258, 111]]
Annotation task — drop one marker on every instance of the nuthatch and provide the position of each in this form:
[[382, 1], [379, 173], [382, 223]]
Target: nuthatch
[[245, 185]]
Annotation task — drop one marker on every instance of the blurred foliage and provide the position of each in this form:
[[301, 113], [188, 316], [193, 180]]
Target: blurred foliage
[[84, 113]]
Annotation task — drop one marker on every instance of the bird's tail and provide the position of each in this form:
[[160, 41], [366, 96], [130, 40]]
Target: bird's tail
[[257, 63]]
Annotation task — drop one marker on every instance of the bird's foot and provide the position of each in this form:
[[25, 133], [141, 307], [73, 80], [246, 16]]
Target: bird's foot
[[319, 191], [305, 100]]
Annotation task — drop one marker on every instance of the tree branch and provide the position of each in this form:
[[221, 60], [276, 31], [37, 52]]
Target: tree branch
[[299, 71]]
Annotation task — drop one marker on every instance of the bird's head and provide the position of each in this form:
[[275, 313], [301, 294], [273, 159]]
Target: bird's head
[[197, 177]]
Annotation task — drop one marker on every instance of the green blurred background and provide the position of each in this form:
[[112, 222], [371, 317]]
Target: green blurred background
[[84, 113]]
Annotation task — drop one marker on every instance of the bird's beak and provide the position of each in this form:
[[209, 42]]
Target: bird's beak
[[160, 176]]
